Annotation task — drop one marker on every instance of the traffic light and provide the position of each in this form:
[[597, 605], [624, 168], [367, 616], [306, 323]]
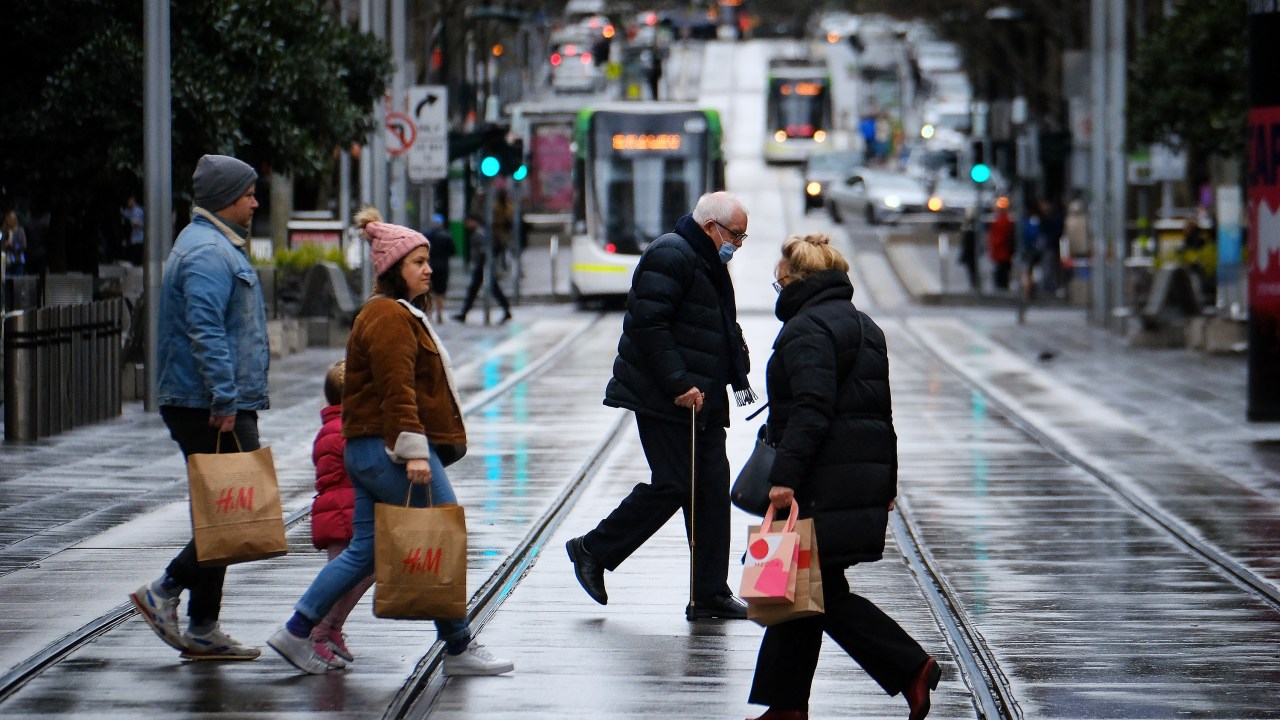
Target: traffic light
[[503, 158], [980, 172]]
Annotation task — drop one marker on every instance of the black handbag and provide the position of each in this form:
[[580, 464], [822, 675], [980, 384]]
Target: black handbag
[[750, 491]]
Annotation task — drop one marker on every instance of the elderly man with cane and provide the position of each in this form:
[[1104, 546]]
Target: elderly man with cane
[[680, 347]]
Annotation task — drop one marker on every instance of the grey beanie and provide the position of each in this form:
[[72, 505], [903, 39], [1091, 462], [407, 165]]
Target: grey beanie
[[220, 180]]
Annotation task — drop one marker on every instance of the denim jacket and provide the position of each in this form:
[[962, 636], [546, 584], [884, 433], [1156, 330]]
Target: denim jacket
[[212, 339]]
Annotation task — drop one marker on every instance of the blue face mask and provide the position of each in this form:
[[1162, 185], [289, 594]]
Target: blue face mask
[[726, 252]]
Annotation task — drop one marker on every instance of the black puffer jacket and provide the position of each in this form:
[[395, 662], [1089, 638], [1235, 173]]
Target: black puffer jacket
[[680, 331], [831, 417]]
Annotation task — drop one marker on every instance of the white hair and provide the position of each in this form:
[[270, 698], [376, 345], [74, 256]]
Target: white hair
[[717, 206]]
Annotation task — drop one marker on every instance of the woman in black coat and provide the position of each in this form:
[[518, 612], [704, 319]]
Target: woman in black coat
[[830, 413]]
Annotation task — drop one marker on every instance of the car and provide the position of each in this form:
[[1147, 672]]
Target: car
[[822, 170], [953, 87], [936, 57], [574, 68], [952, 200], [878, 196]]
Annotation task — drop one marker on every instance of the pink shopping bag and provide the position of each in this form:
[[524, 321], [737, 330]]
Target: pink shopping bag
[[772, 561]]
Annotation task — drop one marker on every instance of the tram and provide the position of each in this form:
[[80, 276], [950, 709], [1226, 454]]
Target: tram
[[637, 169], [798, 112]]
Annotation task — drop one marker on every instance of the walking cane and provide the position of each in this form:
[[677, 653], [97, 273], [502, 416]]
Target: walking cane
[[693, 506]]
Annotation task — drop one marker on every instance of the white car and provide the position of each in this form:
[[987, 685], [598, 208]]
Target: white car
[[936, 57], [573, 66], [878, 196]]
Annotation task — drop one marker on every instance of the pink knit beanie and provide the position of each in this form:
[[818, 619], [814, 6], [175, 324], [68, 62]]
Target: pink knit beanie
[[389, 243]]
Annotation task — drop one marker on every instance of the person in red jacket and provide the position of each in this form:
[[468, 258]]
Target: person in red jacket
[[331, 512], [1000, 247]]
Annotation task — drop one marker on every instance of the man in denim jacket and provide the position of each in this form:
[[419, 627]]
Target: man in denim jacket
[[211, 380]]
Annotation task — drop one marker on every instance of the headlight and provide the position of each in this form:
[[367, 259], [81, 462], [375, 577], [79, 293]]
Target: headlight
[[820, 136], [814, 188], [780, 136], [893, 202], [935, 203]]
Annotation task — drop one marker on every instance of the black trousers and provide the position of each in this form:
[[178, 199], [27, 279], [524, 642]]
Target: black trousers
[[651, 505], [473, 289], [189, 427], [789, 652]]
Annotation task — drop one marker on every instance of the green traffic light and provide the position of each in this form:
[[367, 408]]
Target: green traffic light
[[490, 166], [520, 173], [980, 173]]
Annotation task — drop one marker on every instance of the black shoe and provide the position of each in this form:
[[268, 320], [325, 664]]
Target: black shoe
[[725, 607], [506, 318], [458, 318], [590, 575], [917, 691]]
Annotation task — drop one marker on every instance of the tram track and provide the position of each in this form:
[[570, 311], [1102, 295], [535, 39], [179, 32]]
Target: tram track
[[484, 602], [1172, 527]]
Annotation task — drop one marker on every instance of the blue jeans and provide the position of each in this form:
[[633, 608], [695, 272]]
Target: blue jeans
[[376, 479]]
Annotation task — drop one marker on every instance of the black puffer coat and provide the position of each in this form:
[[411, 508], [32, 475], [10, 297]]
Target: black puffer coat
[[680, 331], [831, 417]]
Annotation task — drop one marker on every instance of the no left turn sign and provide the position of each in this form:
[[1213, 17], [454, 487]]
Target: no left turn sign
[[401, 132]]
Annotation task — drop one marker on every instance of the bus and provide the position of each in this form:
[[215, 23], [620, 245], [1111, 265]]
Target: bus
[[798, 113], [637, 169]]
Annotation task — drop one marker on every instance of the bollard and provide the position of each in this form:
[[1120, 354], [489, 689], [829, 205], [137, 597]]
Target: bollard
[[554, 250], [20, 342], [944, 254]]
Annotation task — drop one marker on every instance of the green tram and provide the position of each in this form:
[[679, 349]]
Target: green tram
[[637, 169], [798, 110]]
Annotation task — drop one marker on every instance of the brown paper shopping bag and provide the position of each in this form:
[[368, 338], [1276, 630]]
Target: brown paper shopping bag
[[809, 600], [769, 576], [235, 506], [420, 562]]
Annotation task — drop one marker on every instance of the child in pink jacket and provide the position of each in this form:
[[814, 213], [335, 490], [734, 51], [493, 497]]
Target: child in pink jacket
[[331, 513]]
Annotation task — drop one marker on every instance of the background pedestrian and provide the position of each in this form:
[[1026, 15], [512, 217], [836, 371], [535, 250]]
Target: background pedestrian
[[442, 251]]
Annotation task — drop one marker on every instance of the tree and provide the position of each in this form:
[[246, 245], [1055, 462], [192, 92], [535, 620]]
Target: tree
[[278, 83], [1187, 80]]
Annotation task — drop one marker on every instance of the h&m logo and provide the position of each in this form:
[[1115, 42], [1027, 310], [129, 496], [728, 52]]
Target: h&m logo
[[421, 560], [235, 499]]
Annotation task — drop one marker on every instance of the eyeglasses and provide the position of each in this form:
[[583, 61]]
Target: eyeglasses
[[737, 237], [777, 284]]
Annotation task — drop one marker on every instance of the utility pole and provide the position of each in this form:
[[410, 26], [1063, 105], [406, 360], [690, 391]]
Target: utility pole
[[159, 177]]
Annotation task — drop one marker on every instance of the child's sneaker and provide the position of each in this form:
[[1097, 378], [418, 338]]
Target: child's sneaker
[[217, 645], [160, 614], [476, 660], [338, 644], [327, 654], [301, 652]]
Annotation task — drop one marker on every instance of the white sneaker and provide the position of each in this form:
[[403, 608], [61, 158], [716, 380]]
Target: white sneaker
[[299, 651], [217, 645], [160, 614], [476, 660]]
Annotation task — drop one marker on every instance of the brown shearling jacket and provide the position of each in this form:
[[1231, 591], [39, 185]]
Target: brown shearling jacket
[[397, 383]]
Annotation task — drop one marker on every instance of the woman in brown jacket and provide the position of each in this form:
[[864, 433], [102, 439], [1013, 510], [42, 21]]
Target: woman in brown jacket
[[403, 423]]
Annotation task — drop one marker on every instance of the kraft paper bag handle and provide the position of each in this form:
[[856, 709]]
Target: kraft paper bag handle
[[217, 443], [408, 495]]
